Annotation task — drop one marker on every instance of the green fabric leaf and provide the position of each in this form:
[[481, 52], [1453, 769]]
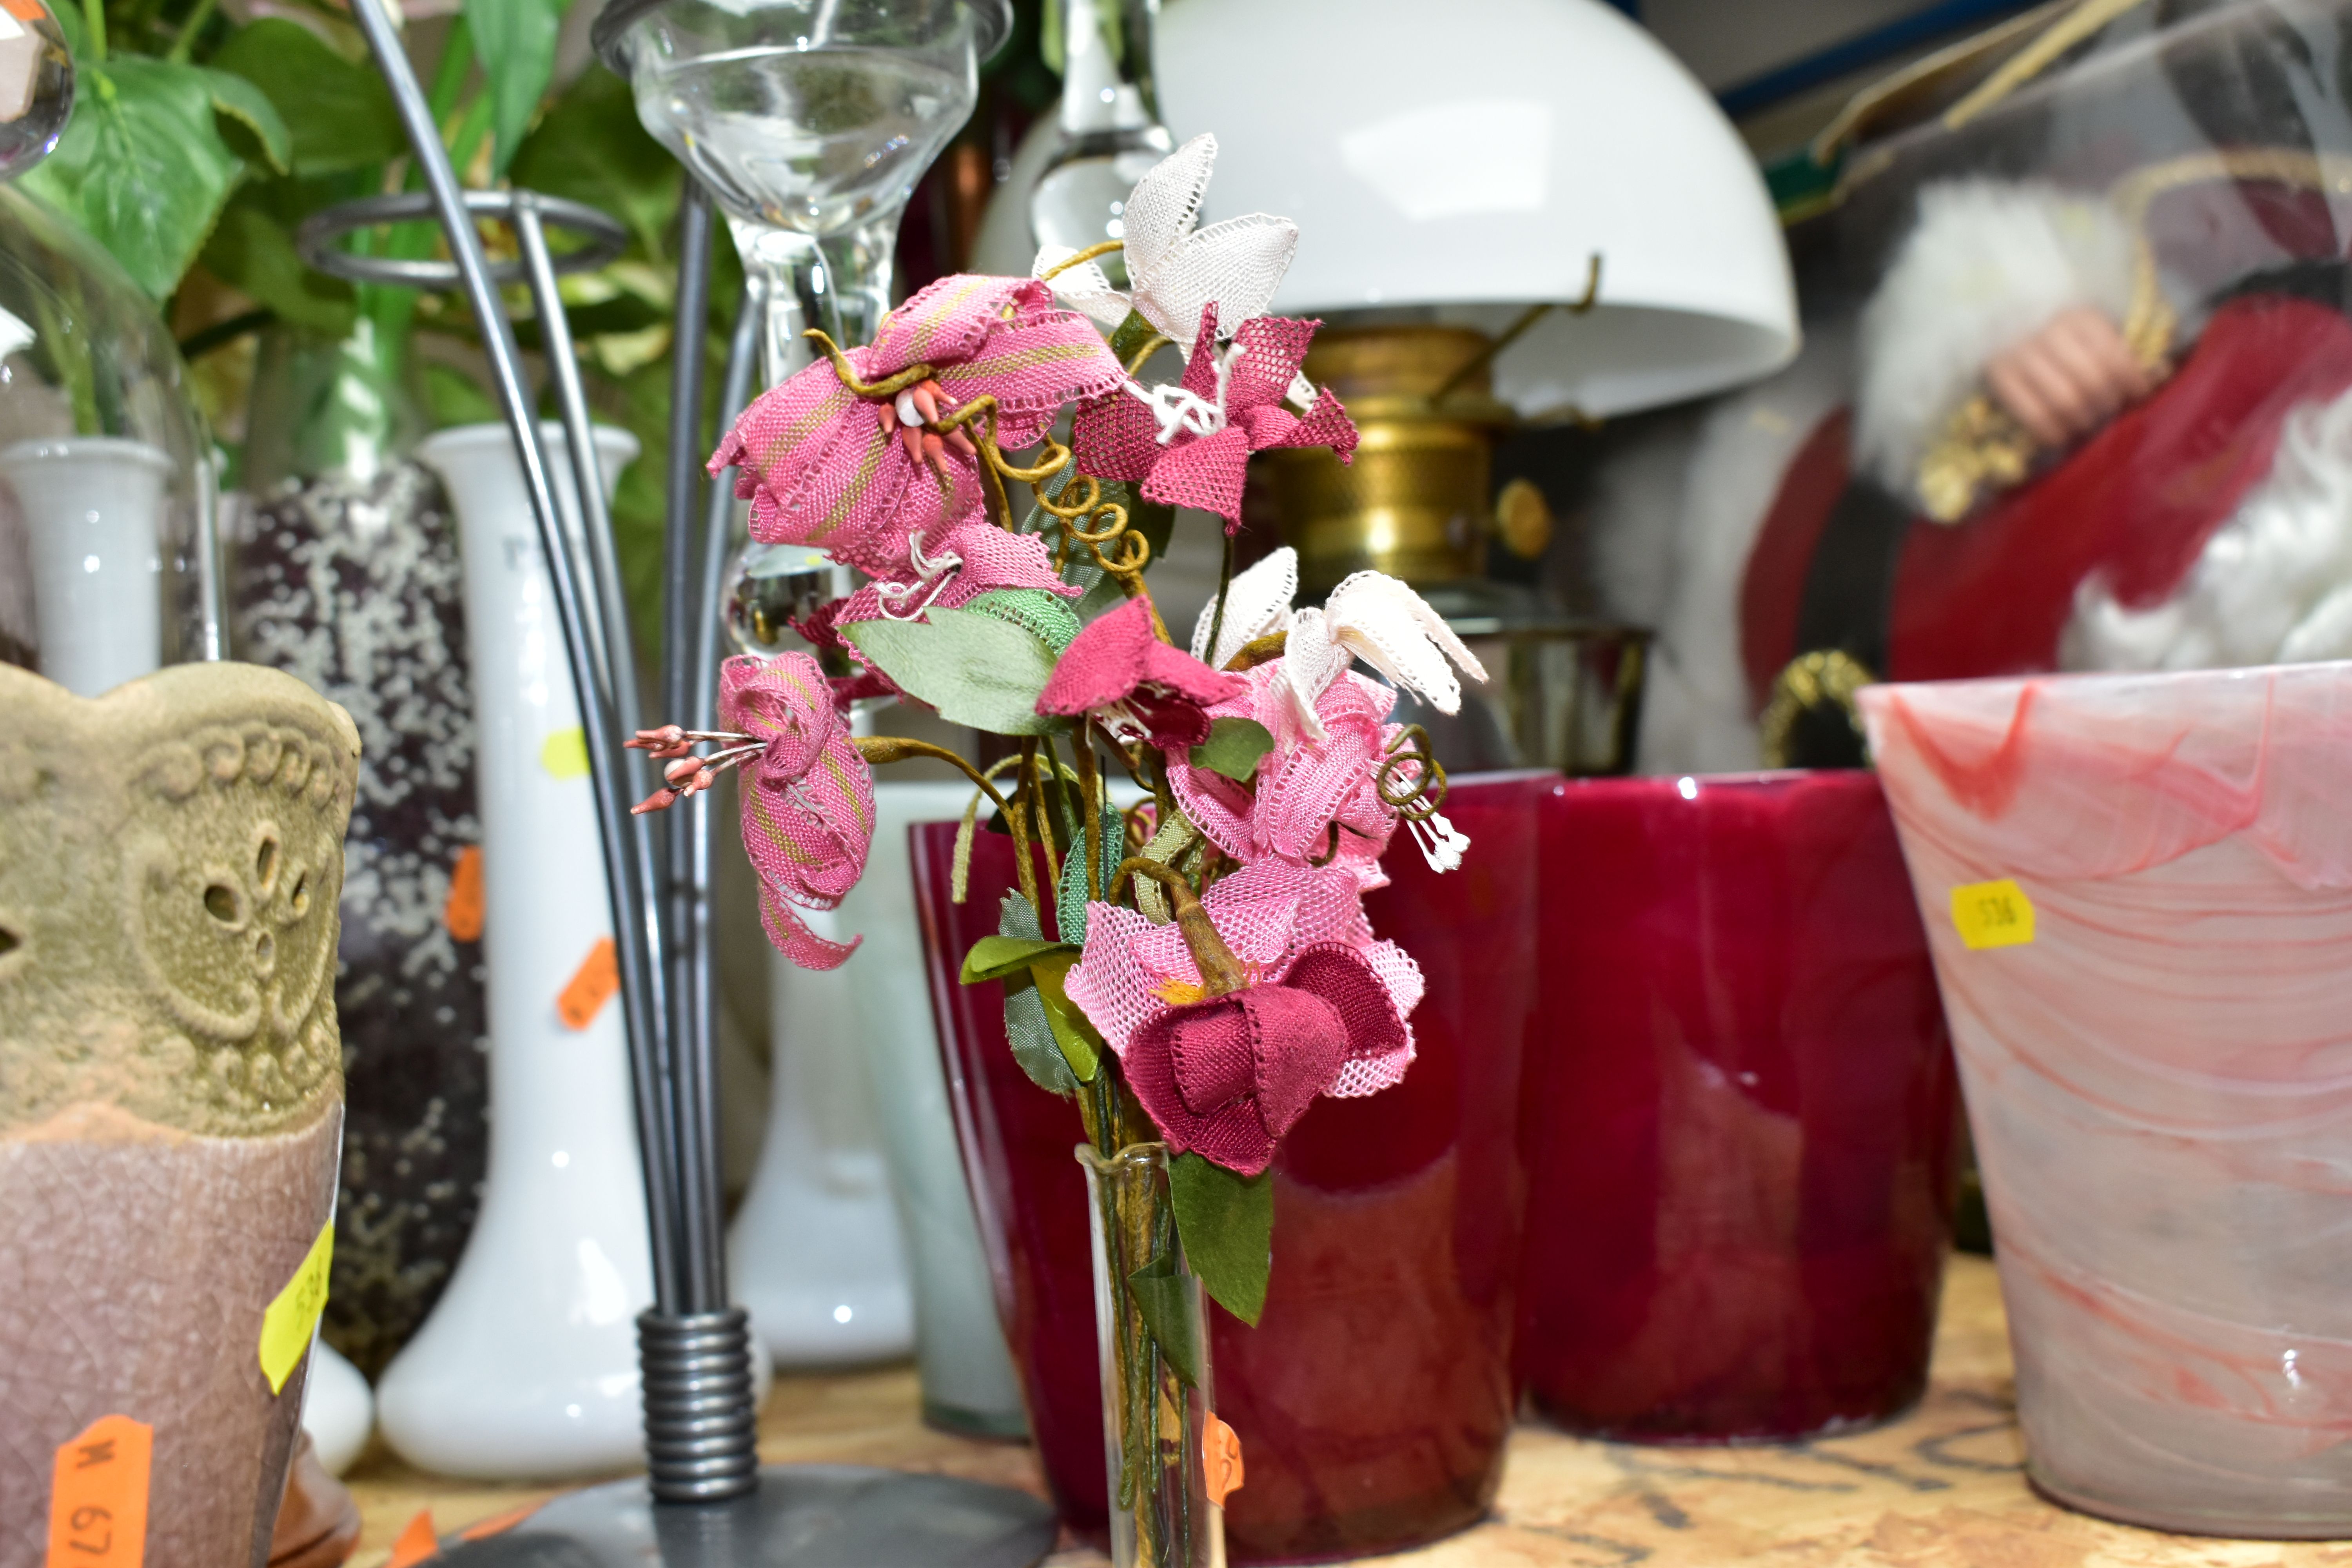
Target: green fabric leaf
[[251, 252], [589, 146], [337, 111], [994, 957], [974, 669], [1071, 897], [1233, 748], [515, 41], [1227, 1224], [1045, 617], [142, 166], [1164, 1297], [1029, 1030], [246, 105], [1074, 1032], [1034, 1045]]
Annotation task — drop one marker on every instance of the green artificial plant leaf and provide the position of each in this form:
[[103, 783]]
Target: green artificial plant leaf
[[251, 251], [142, 166], [1165, 1301], [515, 41], [1227, 1224], [1130, 335], [337, 111], [974, 669], [994, 957], [246, 105], [1233, 748], [1074, 1032]]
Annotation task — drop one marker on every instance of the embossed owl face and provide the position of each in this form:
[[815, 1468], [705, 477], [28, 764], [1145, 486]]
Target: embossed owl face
[[170, 857]]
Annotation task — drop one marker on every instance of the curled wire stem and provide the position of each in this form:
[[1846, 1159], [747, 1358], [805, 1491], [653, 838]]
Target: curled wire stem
[[890, 387], [1424, 792]]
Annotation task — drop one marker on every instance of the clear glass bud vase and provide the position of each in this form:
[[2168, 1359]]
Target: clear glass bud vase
[[1157, 1430]]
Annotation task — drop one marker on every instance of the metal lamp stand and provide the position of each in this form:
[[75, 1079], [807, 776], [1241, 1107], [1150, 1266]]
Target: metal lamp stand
[[706, 1502]]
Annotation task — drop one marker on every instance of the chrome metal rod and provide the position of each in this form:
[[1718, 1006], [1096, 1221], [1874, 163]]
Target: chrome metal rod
[[702, 616], [642, 987], [701, 1202], [563, 357]]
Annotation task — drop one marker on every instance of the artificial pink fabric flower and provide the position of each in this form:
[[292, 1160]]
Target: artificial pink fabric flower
[[1189, 444], [975, 558], [808, 798], [859, 478], [1306, 784], [1120, 670], [1227, 1076]]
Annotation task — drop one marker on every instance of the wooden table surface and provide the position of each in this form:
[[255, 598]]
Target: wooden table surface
[[1939, 1488]]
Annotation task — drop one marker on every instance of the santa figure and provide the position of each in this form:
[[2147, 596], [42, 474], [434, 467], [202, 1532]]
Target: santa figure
[[2073, 428]]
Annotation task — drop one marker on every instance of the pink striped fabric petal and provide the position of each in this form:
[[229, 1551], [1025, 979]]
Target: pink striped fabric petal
[[787, 431], [791, 937], [808, 799], [945, 320], [1036, 367]]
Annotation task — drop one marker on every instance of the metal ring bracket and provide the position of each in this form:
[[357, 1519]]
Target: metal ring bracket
[[316, 238]]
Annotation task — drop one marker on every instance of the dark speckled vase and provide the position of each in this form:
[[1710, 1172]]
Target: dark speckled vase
[[345, 573]]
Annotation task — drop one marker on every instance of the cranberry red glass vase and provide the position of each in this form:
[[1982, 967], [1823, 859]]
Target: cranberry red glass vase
[[1741, 1115], [1373, 1399]]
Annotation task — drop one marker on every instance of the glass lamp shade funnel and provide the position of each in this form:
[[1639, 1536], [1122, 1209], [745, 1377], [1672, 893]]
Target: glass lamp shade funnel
[[108, 556], [810, 122], [1471, 170], [528, 1367]]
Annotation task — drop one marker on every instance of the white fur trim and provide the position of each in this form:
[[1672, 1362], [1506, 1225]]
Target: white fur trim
[[1988, 264], [2274, 585]]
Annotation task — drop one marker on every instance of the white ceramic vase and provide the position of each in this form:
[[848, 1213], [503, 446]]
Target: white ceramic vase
[[528, 1367], [93, 512], [815, 1254], [876, 1011], [338, 1408]]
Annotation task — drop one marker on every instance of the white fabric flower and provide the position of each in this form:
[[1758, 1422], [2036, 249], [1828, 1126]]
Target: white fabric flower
[[1257, 605], [1370, 616], [1173, 270]]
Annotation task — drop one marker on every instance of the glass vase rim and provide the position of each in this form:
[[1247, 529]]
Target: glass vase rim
[[1131, 1157]]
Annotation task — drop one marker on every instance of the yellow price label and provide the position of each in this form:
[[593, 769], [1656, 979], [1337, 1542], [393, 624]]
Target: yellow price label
[[1992, 914], [288, 1321]]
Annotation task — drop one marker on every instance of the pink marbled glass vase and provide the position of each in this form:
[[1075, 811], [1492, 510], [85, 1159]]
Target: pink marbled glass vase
[[2153, 1025]]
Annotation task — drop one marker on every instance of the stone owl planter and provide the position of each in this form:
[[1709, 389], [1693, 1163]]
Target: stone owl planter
[[170, 1099]]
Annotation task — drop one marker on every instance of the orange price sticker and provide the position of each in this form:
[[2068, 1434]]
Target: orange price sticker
[[25, 10], [98, 1495], [418, 1543], [1221, 1459], [463, 912], [591, 985]]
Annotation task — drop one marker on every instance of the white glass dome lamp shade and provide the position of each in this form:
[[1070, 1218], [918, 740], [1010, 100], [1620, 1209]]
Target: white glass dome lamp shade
[[1465, 162], [810, 122]]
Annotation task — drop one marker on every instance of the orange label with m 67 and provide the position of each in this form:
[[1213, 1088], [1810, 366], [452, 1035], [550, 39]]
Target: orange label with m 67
[[98, 1495]]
